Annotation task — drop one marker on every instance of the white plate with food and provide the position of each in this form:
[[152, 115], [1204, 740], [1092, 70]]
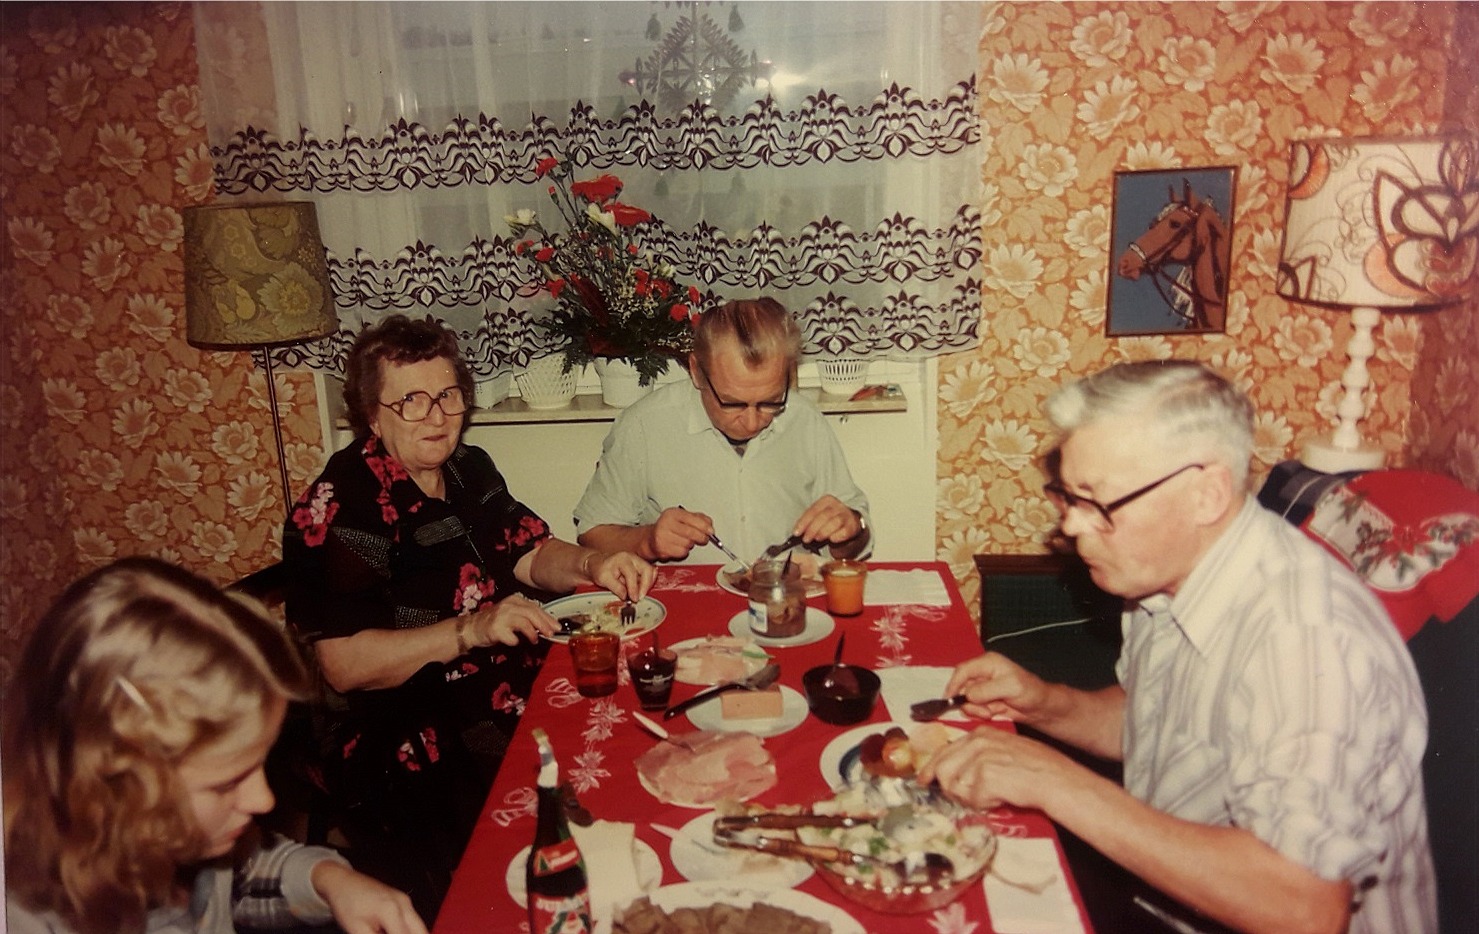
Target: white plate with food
[[702, 768], [840, 763], [602, 610], [649, 871], [735, 578], [818, 627], [717, 896], [710, 716], [695, 854], [710, 660]]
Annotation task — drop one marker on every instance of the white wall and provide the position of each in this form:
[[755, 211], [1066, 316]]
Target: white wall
[[891, 455]]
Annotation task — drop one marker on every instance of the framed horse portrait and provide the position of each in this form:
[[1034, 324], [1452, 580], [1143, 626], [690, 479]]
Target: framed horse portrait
[[1172, 241]]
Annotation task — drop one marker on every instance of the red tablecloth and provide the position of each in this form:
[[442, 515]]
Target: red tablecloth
[[597, 740]]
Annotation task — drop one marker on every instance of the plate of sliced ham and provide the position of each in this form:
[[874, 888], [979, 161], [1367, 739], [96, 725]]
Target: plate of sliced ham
[[705, 767], [717, 659]]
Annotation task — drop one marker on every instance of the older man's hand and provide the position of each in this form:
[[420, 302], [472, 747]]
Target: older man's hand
[[828, 519], [996, 686], [677, 532], [992, 766]]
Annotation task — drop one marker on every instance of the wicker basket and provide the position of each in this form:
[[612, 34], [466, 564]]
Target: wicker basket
[[842, 377], [545, 385]]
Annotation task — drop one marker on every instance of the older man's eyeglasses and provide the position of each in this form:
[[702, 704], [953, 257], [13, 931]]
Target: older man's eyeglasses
[[416, 406], [767, 408], [1102, 514]]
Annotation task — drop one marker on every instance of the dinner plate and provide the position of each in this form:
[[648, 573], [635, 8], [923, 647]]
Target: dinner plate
[[710, 716], [699, 859], [754, 658], [704, 894], [649, 871], [818, 627], [727, 575], [604, 607], [839, 762]]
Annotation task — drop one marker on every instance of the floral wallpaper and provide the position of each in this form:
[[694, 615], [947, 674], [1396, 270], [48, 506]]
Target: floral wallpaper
[[1073, 93], [117, 437]]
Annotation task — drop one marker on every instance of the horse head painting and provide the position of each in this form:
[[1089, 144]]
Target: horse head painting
[[1189, 233]]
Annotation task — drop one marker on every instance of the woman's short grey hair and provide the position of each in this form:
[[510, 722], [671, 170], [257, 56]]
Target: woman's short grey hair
[[1183, 403]]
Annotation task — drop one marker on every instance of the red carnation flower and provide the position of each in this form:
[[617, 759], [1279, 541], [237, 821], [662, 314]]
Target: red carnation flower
[[600, 189], [545, 254], [678, 312], [545, 166], [626, 215]]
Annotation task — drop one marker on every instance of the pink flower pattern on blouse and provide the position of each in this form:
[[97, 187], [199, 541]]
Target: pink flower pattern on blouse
[[314, 513]]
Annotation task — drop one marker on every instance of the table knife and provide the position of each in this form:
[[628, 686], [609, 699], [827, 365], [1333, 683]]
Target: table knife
[[759, 681]]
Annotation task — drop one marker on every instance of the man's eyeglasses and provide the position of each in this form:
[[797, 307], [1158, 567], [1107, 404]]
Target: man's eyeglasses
[[1103, 513], [416, 406], [767, 408]]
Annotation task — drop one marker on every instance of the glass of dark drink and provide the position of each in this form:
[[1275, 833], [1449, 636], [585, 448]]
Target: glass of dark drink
[[596, 655], [652, 676]]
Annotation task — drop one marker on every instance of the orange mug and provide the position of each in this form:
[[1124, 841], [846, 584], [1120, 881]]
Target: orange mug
[[844, 579]]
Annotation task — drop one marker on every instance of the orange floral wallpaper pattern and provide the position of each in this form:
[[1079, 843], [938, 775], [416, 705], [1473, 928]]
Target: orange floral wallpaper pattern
[[1072, 93], [118, 437]]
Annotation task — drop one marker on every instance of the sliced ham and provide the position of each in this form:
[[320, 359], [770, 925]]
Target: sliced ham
[[719, 766], [717, 659]]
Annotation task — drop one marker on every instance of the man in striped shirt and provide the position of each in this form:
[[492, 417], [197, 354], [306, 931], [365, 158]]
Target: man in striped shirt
[[1267, 714]]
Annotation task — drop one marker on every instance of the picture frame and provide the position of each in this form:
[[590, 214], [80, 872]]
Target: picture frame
[[1171, 248]]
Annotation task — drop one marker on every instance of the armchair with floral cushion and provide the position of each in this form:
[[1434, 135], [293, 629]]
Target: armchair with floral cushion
[[1413, 536]]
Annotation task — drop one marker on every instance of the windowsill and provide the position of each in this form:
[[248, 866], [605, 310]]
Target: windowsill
[[588, 407]]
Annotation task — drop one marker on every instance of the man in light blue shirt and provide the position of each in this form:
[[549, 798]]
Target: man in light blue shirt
[[1268, 714], [732, 452]]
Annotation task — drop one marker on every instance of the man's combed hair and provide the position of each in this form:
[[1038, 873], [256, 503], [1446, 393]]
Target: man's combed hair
[[1186, 404], [136, 667], [762, 328]]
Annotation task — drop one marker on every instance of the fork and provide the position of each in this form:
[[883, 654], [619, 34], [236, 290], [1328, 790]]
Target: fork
[[628, 612]]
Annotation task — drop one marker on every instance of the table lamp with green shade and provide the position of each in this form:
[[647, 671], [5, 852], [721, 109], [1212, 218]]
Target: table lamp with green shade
[[1376, 224], [257, 277]]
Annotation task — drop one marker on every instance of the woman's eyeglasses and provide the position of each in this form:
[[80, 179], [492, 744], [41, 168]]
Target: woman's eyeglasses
[[1102, 514], [768, 408], [416, 406]]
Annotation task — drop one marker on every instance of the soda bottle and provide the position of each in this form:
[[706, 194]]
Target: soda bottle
[[559, 893]]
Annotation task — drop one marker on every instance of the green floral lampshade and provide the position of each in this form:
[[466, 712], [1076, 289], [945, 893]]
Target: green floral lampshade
[[255, 275]]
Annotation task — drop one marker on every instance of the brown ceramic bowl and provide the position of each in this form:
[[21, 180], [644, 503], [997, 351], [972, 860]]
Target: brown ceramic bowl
[[849, 699]]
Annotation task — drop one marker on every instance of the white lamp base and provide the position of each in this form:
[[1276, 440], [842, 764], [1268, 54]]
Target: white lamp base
[[1326, 456]]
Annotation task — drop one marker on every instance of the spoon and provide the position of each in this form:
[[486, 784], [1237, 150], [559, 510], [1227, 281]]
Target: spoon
[[927, 710], [831, 683]]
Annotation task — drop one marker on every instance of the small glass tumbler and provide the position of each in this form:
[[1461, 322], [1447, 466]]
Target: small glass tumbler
[[844, 580], [596, 656], [652, 676]]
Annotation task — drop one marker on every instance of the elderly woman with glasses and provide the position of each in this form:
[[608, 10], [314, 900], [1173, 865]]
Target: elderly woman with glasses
[[416, 575], [732, 452]]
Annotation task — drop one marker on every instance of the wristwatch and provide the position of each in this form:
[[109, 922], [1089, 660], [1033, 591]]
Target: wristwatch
[[862, 526]]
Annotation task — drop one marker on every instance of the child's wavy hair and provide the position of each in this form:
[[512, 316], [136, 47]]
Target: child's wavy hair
[[136, 667]]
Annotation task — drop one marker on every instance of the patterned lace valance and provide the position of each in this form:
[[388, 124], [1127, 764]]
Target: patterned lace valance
[[856, 210]]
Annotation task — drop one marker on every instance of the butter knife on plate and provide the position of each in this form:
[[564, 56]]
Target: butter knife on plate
[[759, 681]]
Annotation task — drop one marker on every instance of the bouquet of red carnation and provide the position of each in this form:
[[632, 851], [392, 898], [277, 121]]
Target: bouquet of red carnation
[[611, 300]]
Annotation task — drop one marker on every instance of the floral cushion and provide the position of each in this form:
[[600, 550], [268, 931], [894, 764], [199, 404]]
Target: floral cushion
[[1413, 536]]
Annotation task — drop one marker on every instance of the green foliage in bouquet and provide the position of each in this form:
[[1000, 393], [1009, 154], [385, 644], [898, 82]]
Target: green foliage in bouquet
[[611, 300]]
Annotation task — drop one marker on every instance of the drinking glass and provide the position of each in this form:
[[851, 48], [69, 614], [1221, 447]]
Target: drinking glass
[[652, 676], [844, 580], [596, 655]]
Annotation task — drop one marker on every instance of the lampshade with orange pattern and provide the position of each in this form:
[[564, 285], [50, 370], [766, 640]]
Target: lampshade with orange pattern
[[1376, 224]]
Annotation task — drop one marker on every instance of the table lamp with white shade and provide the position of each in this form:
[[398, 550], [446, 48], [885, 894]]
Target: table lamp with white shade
[[1376, 224], [257, 277]]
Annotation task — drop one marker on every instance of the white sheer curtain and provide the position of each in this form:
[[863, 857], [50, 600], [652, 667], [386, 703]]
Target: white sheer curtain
[[822, 153]]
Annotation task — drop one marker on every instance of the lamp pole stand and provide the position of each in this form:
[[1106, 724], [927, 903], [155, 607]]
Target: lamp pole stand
[[1344, 450], [282, 456]]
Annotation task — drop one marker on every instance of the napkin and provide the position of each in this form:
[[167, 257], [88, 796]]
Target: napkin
[[1036, 900], [919, 586], [610, 864], [910, 684]]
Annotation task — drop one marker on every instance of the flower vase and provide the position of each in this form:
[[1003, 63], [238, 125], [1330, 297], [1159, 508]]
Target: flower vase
[[620, 382], [545, 384]]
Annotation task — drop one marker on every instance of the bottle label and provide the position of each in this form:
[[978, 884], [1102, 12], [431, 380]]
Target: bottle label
[[556, 915], [557, 857]]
